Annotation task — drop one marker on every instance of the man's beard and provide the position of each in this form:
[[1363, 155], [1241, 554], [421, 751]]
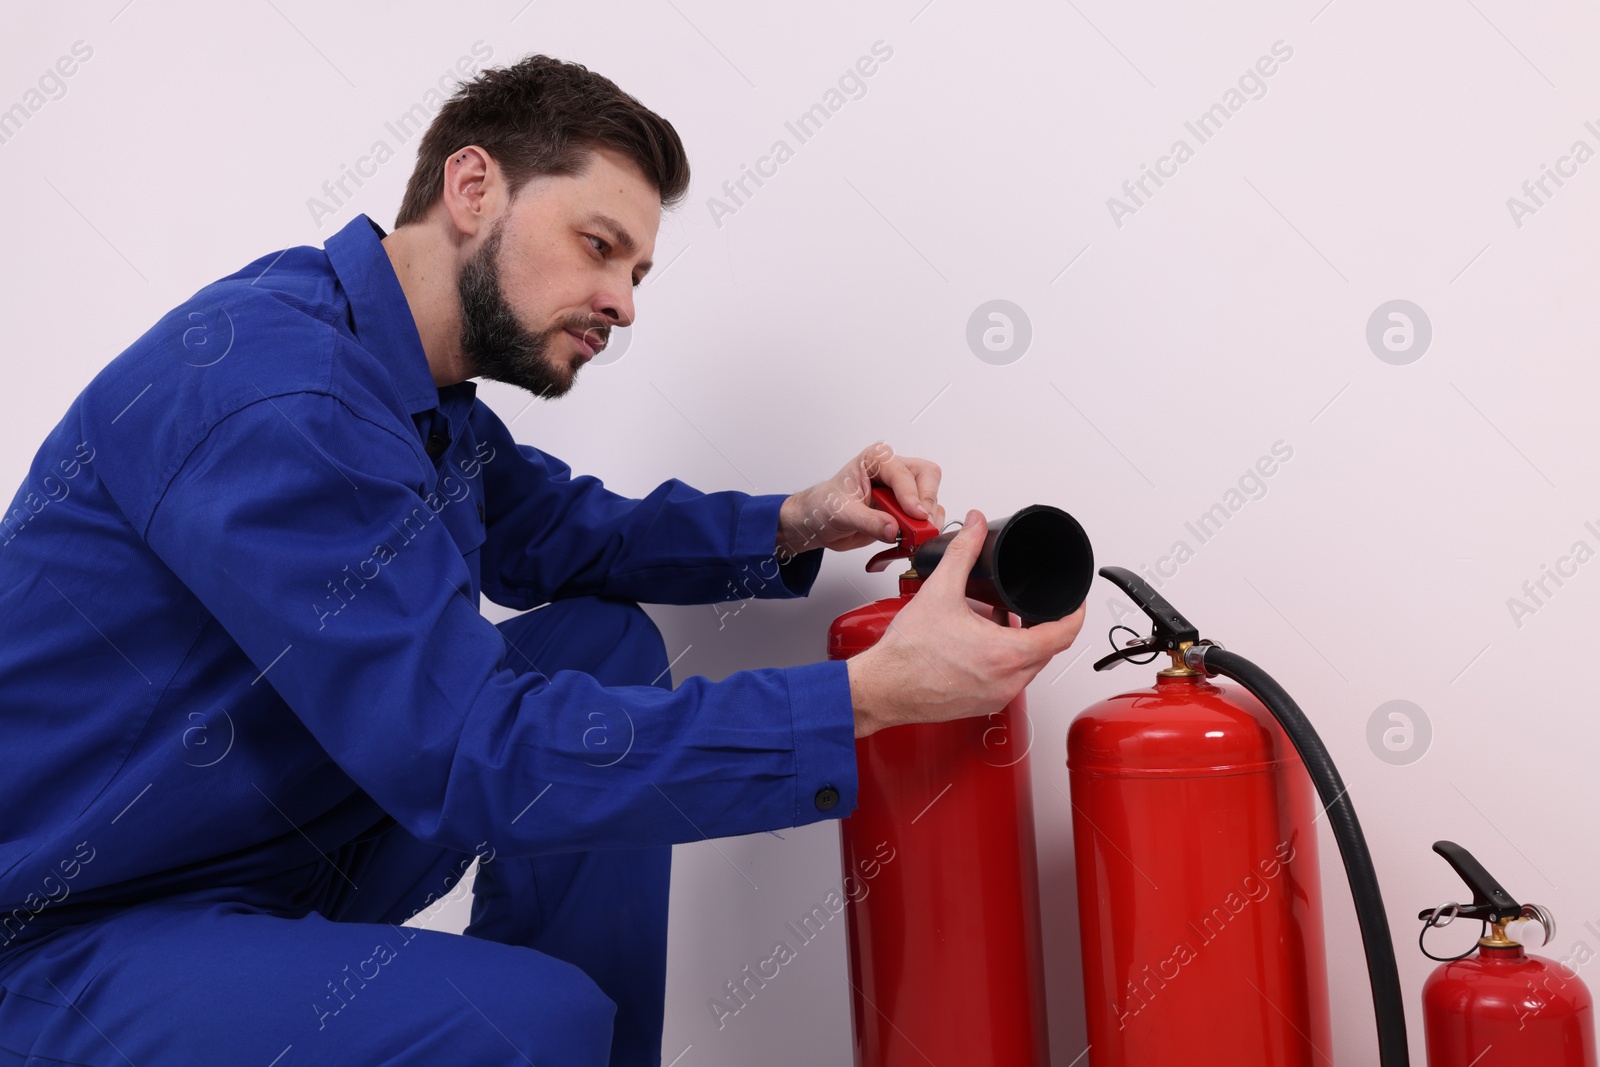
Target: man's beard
[[496, 345]]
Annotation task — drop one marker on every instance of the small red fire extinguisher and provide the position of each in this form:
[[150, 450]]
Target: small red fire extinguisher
[[1495, 1005], [940, 872]]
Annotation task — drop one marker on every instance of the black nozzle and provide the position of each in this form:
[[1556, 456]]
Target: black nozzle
[[1037, 564]]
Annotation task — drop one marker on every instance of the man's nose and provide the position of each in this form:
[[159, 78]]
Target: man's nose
[[615, 307]]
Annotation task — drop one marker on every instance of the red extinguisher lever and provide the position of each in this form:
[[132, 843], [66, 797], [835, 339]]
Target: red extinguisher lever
[[913, 532]]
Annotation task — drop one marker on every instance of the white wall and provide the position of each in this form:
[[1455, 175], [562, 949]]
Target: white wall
[[1225, 314]]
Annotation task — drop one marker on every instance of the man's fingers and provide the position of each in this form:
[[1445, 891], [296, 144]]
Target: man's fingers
[[959, 556], [858, 515], [927, 475], [903, 484], [1049, 638]]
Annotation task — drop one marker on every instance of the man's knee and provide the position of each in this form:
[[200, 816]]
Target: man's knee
[[613, 640], [551, 1012], [633, 641]]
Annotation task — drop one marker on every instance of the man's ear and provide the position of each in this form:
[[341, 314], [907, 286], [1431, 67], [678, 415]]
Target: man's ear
[[474, 190]]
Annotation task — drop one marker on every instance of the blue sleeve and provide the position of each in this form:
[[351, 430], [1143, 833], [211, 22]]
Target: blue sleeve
[[551, 535], [408, 687]]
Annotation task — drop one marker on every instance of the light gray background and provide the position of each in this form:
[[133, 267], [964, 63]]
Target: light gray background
[[1167, 354]]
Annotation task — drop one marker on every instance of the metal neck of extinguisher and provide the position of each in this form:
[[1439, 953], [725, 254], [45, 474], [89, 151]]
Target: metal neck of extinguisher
[[1193, 655]]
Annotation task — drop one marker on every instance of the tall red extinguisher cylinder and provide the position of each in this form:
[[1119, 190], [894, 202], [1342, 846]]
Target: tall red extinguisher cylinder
[[1199, 900], [1496, 1005], [1198, 890], [940, 869]]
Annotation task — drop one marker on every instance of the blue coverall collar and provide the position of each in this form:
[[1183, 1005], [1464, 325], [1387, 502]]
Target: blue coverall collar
[[382, 318]]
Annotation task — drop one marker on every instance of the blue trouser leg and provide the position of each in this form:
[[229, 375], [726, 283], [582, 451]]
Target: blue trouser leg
[[201, 983], [605, 911], [321, 977]]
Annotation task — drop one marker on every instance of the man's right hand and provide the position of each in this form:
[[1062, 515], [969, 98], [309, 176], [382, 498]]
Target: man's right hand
[[941, 659]]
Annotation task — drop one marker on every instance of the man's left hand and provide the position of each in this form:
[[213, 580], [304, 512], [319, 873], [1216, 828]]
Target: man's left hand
[[837, 513]]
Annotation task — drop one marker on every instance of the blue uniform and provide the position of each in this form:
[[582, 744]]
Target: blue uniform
[[253, 718]]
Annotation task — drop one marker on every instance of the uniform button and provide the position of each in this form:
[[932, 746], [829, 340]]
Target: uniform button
[[437, 443], [480, 513], [827, 797]]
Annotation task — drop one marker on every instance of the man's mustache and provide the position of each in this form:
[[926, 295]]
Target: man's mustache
[[595, 334]]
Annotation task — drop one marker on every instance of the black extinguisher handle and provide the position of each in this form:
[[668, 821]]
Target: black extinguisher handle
[[1169, 628], [1489, 901]]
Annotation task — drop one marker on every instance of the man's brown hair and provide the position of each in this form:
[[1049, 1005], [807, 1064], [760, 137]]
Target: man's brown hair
[[544, 116]]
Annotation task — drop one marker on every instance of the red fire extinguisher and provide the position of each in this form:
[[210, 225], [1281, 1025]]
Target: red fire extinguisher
[[940, 870], [1495, 1005], [1194, 826], [1192, 823]]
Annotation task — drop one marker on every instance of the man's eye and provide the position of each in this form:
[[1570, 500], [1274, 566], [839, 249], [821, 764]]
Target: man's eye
[[600, 246]]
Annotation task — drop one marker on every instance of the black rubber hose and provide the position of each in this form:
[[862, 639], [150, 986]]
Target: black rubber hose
[[1387, 1003]]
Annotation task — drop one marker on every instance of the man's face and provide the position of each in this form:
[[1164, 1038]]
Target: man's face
[[541, 294]]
